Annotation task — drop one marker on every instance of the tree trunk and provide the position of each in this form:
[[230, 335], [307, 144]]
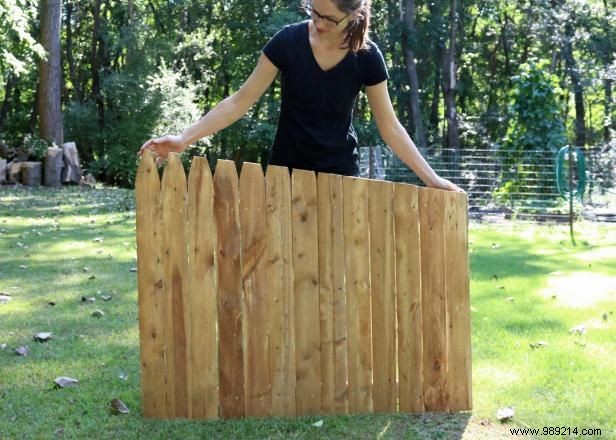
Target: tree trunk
[[95, 62], [50, 73], [8, 91], [437, 49], [578, 88], [411, 70], [69, 52], [436, 94], [610, 121], [451, 141]]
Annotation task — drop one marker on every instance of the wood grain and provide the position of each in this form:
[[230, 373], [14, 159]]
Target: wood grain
[[150, 289]]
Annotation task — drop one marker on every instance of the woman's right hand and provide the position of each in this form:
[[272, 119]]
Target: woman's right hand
[[162, 146]]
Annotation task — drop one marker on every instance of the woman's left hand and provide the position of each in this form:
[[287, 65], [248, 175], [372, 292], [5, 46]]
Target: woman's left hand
[[441, 183]]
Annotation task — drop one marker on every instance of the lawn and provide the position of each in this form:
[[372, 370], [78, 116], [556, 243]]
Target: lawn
[[529, 288]]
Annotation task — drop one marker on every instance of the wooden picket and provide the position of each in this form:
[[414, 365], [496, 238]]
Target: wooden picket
[[290, 294]]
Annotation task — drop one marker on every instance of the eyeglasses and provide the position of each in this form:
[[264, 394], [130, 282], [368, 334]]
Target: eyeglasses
[[327, 20]]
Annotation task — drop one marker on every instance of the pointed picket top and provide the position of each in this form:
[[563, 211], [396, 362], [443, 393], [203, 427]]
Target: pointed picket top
[[147, 174], [173, 175], [225, 168], [199, 169], [250, 172]]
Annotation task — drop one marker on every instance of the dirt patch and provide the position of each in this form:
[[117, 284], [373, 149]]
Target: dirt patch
[[459, 426]]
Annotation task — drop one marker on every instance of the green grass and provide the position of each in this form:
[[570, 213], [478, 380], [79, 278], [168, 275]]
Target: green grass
[[564, 384]]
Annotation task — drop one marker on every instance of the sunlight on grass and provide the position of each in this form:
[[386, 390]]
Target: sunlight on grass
[[515, 270], [580, 289]]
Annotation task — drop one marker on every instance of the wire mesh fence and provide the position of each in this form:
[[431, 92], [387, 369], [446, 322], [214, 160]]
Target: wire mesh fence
[[523, 187]]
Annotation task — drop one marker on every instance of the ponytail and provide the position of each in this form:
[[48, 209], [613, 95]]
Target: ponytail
[[357, 30]]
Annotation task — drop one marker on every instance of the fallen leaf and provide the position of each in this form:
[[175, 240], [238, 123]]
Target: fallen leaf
[[118, 407], [539, 344], [98, 313], [22, 351], [64, 382], [505, 414], [578, 329], [318, 424], [42, 337]]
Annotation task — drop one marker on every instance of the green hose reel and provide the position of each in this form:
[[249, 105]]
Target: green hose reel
[[563, 177]]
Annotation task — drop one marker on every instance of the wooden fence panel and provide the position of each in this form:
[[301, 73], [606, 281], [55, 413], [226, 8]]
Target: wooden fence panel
[[332, 295], [295, 295], [280, 270], [382, 270], [433, 298], [175, 285], [408, 297], [458, 305], [357, 269], [203, 352], [256, 294], [230, 298], [150, 288], [306, 288]]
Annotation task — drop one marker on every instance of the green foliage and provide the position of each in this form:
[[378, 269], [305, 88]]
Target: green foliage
[[18, 47], [535, 131], [174, 61], [36, 148], [109, 145]]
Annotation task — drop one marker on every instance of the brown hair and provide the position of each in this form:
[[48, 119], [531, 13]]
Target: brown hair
[[357, 30]]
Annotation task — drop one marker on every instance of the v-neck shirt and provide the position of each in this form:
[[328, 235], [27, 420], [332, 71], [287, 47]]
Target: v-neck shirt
[[315, 130]]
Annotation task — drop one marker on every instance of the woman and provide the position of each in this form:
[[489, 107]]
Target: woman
[[324, 62]]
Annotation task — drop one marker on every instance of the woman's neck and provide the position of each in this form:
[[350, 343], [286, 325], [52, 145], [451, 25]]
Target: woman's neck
[[329, 40]]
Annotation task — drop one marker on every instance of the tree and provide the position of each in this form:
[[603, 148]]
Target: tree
[[411, 69], [50, 73], [535, 132]]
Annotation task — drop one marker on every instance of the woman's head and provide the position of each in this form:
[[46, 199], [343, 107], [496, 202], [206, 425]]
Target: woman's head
[[350, 17]]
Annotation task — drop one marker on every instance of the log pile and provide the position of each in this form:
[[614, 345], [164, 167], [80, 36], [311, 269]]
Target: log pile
[[60, 166]]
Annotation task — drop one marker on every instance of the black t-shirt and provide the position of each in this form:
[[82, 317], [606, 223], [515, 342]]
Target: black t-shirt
[[314, 128]]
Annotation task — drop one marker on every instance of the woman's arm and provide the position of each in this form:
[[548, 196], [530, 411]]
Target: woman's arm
[[225, 113], [394, 135]]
